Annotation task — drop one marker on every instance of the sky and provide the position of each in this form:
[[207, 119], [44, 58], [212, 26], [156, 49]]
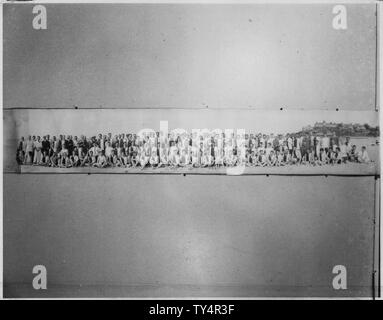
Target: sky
[[189, 56], [91, 122]]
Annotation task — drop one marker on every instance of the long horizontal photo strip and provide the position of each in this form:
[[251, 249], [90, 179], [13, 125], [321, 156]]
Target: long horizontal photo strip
[[192, 142]]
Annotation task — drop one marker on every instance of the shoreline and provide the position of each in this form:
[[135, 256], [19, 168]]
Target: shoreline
[[353, 169]]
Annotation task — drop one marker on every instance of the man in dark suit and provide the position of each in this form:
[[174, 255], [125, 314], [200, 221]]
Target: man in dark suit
[[69, 145], [45, 145]]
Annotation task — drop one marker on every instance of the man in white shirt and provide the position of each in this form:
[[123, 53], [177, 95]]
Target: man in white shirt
[[363, 156], [326, 143], [95, 150]]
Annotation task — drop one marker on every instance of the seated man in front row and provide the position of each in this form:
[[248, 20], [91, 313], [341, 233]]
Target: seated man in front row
[[363, 156]]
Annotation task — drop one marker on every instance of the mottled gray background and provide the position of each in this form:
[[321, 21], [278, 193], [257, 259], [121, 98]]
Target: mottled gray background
[[139, 235], [190, 56]]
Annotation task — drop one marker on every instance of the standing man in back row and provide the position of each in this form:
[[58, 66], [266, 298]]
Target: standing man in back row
[[326, 143]]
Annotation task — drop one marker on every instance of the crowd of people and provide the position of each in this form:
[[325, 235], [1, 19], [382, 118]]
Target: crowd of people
[[156, 150]]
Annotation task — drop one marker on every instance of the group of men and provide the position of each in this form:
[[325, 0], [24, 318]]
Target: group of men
[[198, 149]]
